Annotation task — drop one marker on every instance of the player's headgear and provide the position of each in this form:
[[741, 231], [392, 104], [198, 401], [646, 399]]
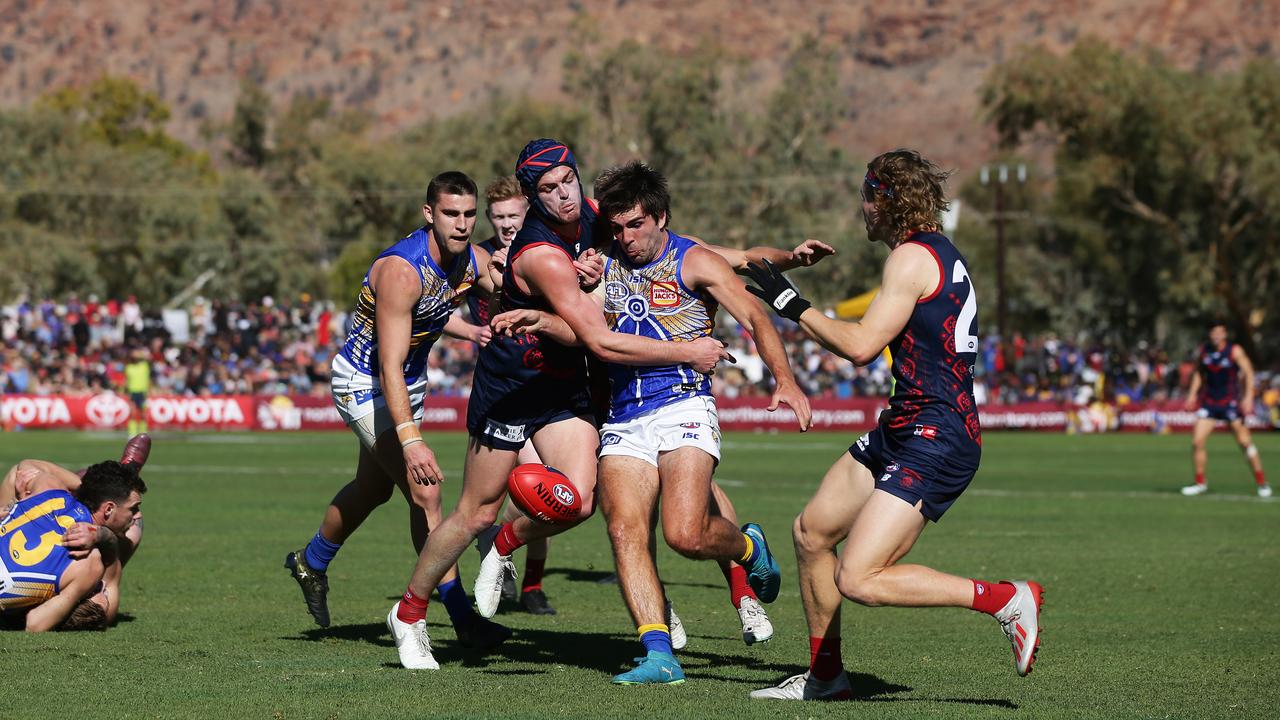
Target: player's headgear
[[536, 159]]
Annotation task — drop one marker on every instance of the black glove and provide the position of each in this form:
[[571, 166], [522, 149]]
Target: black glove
[[776, 291]]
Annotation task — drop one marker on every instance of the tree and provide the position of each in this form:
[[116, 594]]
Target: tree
[[1176, 171]]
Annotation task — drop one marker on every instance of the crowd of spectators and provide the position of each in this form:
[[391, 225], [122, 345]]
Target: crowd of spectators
[[80, 346]]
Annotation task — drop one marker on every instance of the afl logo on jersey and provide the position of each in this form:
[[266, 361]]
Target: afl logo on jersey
[[615, 290], [664, 294]]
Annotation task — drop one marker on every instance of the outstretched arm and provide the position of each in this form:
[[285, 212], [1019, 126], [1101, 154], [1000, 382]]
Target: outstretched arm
[[708, 273], [807, 253], [909, 274]]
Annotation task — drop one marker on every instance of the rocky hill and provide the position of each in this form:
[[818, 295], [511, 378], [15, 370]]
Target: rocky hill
[[909, 68]]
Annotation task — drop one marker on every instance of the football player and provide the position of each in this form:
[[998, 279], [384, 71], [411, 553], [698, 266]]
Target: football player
[[879, 496], [1223, 385]]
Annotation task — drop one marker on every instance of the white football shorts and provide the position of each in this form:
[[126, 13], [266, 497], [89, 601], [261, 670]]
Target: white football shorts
[[358, 398], [691, 422]]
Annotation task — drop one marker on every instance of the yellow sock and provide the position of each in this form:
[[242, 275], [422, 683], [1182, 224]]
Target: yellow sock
[[651, 627], [142, 426], [751, 547]]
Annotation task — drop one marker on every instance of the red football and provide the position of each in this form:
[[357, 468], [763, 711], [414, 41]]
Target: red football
[[544, 493]]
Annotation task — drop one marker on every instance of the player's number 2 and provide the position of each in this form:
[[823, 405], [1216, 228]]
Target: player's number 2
[[965, 343]]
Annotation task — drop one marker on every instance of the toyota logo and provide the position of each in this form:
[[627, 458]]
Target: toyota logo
[[107, 410]]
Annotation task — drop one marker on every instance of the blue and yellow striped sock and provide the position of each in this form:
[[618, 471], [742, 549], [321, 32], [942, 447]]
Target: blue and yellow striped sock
[[656, 637]]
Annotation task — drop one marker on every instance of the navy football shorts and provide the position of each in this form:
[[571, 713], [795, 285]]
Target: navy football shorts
[[931, 471], [507, 421], [1229, 412]]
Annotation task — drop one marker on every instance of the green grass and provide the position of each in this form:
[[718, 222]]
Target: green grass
[[1156, 606]]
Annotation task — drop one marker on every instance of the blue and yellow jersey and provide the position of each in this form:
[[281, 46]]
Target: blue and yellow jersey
[[31, 541], [653, 301], [442, 291]]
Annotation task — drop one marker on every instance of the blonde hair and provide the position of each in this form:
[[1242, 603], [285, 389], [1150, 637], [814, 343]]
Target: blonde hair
[[907, 190], [502, 188]]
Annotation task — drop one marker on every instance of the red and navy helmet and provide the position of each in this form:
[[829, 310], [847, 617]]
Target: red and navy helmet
[[538, 157]]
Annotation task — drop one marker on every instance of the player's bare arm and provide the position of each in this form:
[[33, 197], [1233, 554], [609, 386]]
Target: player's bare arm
[[1193, 392], [397, 286], [458, 327], [709, 273], [83, 538], [77, 582], [807, 253], [1246, 379], [528, 321], [910, 273], [550, 272]]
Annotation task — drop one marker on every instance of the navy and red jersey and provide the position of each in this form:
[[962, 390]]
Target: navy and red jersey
[[477, 303], [933, 357], [508, 363], [1220, 375]]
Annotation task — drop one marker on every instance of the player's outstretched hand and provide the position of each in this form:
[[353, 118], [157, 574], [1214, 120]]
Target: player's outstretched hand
[[482, 335], [420, 465], [789, 394], [518, 322], [590, 267], [706, 353], [810, 252], [80, 539], [776, 291]]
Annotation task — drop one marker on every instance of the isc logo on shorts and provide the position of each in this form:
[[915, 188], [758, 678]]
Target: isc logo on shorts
[[664, 294], [610, 439]]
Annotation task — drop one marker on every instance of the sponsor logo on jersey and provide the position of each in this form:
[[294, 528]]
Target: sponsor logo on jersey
[[863, 442], [610, 439], [927, 432], [637, 307], [691, 425], [502, 431], [664, 294], [892, 468]]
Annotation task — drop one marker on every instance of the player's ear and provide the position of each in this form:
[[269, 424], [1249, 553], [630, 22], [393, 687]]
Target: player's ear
[[663, 220], [426, 212]]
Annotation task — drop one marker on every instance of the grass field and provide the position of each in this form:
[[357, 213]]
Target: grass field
[[1156, 605]]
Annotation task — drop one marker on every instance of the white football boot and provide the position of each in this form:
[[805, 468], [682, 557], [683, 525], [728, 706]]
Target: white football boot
[[1195, 489], [494, 569], [1020, 620], [755, 623], [1264, 491], [679, 638], [411, 642], [803, 687]]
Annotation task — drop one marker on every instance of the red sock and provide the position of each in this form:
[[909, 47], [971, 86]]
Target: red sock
[[824, 658], [533, 568], [412, 608], [736, 576], [990, 597], [1199, 478], [507, 542], [1259, 478]]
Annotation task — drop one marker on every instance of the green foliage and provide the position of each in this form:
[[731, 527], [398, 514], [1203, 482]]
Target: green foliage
[[1164, 203]]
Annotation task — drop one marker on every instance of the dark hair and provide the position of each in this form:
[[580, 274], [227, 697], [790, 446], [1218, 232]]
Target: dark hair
[[108, 481], [907, 189], [621, 188], [450, 182], [88, 615]]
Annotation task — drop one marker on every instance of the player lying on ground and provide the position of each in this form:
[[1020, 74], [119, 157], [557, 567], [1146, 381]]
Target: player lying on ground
[[878, 497], [65, 542]]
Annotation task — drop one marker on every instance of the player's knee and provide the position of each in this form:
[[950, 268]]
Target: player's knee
[[686, 540], [858, 587], [807, 541], [624, 530], [482, 518]]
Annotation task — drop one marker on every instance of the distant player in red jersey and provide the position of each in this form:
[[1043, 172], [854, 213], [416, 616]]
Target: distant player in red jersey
[[1223, 374], [880, 495]]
